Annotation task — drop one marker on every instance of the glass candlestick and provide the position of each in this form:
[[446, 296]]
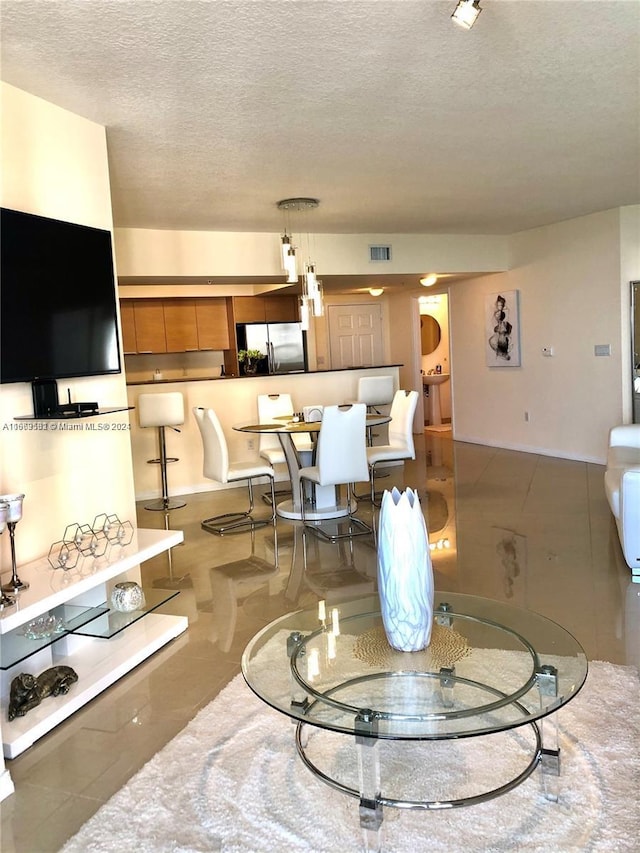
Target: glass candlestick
[[5, 600], [14, 514]]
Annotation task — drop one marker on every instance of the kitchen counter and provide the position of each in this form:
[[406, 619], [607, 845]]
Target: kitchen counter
[[255, 376]]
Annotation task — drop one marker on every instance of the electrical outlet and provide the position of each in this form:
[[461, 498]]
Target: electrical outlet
[[527, 417], [251, 444]]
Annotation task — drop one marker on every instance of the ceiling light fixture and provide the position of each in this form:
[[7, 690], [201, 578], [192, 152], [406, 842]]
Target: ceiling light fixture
[[312, 299], [376, 291], [429, 280], [466, 13]]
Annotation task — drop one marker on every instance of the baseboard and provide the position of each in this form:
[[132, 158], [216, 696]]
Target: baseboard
[[524, 448], [200, 488]]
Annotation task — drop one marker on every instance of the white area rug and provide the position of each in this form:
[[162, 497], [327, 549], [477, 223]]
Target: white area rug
[[232, 781]]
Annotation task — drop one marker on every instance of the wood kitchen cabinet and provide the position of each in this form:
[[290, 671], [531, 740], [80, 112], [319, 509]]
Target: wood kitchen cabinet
[[248, 309], [128, 323], [265, 309], [211, 323], [281, 309], [150, 330], [180, 328], [174, 325]]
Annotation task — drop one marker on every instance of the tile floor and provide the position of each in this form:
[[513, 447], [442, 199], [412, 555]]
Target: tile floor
[[532, 530]]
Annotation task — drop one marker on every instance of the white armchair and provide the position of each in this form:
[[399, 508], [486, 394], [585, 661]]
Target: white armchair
[[622, 487]]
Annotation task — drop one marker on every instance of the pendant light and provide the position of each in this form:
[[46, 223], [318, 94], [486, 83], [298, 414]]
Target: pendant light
[[466, 13], [312, 300]]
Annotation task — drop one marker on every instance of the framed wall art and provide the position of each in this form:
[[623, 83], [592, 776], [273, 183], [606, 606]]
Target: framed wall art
[[502, 329]]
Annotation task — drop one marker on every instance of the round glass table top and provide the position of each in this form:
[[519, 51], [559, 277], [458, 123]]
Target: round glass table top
[[489, 666], [286, 424]]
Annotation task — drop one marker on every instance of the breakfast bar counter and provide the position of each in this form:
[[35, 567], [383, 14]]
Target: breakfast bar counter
[[235, 400], [379, 370]]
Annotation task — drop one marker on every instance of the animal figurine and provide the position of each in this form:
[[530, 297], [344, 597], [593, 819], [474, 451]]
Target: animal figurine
[[28, 690]]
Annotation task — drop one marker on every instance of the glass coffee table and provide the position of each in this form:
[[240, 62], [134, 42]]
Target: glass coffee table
[[490, 668]]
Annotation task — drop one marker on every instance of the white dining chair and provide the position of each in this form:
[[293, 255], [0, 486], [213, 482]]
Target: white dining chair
[[375, 392], [270, 407], [216, 466], [341, 460], [401, 445]]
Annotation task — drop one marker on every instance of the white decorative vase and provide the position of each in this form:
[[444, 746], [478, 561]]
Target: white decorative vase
[[405, 574]]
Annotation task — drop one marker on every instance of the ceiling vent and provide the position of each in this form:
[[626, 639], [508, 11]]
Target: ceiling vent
[[379, 253]]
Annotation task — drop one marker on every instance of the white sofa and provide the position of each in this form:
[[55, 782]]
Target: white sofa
[[622, 487]]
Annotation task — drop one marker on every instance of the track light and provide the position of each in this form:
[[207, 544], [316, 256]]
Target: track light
[[429, 280], [466, 13]]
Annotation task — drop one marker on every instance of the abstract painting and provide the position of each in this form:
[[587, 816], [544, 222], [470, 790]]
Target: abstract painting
[[502, 329]]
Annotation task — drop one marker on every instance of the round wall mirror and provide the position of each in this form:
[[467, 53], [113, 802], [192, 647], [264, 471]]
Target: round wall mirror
[[430, 333]]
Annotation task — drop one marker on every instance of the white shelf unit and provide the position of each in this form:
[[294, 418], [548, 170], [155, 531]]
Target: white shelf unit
[[99, 662]]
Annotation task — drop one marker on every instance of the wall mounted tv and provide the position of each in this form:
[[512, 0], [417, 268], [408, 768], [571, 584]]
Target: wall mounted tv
[[58, 312]]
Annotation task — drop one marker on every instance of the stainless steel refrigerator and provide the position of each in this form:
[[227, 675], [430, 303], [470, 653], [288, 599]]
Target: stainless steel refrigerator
[[283, 344]]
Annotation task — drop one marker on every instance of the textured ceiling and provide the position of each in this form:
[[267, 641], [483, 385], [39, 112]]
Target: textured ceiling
[[391, 115]]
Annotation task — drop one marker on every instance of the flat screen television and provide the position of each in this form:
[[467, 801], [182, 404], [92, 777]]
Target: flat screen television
[[58, 311]]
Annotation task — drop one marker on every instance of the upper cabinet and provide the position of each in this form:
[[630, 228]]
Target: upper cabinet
[[149, 320], [199, 323], [180, 329], [174, 325], [248, 309], [212, 323], [265, 309], [281, 309], [127, 319]]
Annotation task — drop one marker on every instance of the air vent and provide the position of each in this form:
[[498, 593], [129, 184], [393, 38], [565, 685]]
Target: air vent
[[379, 253]]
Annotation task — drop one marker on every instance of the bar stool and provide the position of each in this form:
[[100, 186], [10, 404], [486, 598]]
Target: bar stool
[[161, 411]]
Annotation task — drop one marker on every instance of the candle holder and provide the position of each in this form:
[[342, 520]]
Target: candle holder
[[14, 514], [5, 600]]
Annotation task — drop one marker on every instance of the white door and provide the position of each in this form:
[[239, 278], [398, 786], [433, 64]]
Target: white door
[[355, 335]]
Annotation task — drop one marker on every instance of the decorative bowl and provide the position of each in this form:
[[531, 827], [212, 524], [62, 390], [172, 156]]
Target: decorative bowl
[[127, 596]]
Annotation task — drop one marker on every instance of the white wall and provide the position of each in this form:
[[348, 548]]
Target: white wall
[[569, 279], [167, 254], [55, 164]]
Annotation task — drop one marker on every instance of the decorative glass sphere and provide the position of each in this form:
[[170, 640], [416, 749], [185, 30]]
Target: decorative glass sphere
[[127, 596]]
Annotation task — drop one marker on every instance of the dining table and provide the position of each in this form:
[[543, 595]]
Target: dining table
[[325, 504]]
